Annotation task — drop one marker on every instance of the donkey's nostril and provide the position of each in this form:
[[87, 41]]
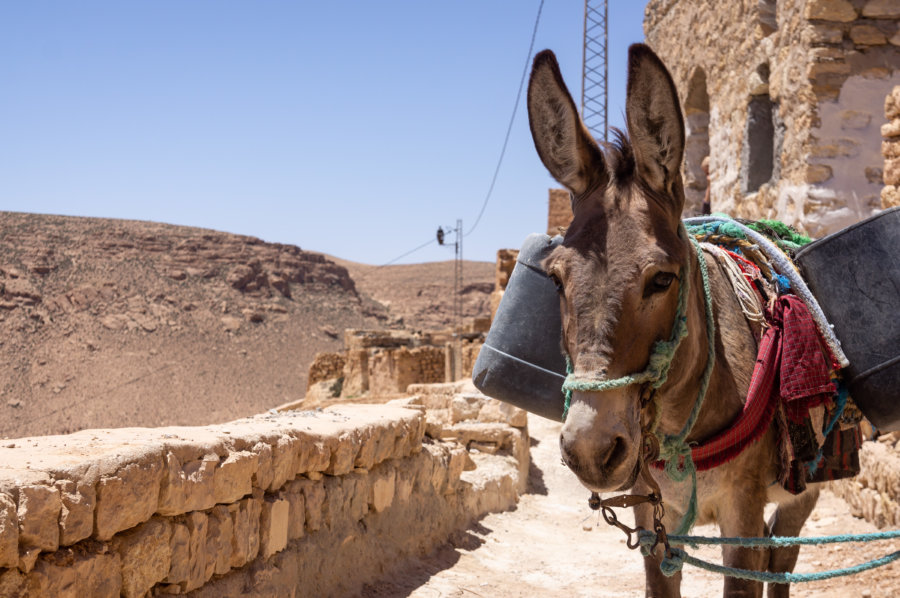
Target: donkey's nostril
[[617, 453]]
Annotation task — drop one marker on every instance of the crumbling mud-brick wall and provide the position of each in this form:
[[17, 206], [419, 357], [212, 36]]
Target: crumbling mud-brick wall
[[326, 366], [785, 97], [320, 501], [506, 261], [890, 149], [391, 371], [559, 211], [874, 494]]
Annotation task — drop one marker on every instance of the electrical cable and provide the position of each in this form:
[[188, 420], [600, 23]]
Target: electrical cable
[[512, 118]]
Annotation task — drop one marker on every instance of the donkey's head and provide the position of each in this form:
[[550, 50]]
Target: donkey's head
[[618, 268]]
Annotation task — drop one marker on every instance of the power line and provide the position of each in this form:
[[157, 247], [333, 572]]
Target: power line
[[511, 118], [502, 151]]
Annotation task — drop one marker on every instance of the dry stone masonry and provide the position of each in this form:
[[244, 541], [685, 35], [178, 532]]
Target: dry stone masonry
[[874, 494], [316, 502], [785, 98], [890, 149]]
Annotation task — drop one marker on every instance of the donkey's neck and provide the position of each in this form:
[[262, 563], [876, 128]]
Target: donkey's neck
[[735, 356]]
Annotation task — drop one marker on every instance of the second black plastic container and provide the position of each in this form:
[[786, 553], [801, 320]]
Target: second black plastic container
[[855, 276]]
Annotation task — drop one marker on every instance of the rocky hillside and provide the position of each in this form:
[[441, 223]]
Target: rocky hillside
[[108, 323], [420, 296]]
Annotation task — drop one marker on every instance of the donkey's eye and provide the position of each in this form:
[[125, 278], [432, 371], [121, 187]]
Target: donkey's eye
[[660, 282]]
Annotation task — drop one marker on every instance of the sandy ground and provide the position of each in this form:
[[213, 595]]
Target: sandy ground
[[543, 549]]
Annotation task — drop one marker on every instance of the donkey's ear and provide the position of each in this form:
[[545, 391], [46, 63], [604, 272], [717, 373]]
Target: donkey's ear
[[655, 124], [561, 139]]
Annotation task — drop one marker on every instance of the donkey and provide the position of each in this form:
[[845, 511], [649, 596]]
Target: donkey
[[618, 272]]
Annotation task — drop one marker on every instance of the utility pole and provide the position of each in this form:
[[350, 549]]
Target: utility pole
[[595, 67], [457, 270]]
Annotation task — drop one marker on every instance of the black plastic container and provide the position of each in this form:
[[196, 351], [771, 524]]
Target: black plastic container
[[855, 276], [521, 361]]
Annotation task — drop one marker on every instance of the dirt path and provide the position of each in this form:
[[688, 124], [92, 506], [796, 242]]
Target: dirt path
[[542, 549]]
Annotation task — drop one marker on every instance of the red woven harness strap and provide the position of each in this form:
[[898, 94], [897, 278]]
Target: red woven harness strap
[[798, 377], [754, 420]]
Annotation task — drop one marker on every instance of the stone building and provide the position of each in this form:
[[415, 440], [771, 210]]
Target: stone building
[[786, 98]]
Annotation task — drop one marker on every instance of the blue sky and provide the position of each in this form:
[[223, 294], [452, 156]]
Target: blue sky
[[351, 128]]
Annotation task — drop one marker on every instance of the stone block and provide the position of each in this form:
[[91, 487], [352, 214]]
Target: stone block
[[146, 556], [314, 499], [892, 172], [867, 35], [71, 574], [855, 119], [264, 473], [245, 527], [218, 540], [12, 583], [881, 9], [381, 490], [187, 487], [834, 148], [273, 526], [200, 564], [179, 546], [293, 494], [895, 39], [76, 518], [127, 498], [343, 455], [38, 513], [891, 129], [815, 70], [825, 34], [465, 407], [840, 11], [817, 173], [892, 104], [333, 508], [233, 479], [356, 493], [285, 452], [890, 197], [9, 532]]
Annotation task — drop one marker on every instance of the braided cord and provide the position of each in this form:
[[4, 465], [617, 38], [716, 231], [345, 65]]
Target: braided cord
[[677, 557]]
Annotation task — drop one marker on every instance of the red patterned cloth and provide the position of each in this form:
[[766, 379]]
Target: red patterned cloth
[[790, 354]]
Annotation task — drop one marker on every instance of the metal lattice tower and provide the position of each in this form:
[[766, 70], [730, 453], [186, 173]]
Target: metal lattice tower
[[595, 68]]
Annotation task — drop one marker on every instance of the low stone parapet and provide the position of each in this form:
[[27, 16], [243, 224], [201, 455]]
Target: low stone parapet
[[318, 501]]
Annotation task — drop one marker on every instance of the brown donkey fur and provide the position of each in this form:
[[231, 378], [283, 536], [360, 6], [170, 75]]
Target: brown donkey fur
[[618, 272]]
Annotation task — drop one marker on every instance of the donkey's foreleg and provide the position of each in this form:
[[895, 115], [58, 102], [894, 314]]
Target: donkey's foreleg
[[742, 515], [657, 585], [788, 520]]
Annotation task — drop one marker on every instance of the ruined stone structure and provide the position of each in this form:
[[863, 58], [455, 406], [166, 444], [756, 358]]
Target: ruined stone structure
[[384, 363], [890, 149], [293, 503], [785, 97], [559, 211]]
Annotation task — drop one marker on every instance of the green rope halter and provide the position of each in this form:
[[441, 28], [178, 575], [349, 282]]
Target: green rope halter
[[674, 449]]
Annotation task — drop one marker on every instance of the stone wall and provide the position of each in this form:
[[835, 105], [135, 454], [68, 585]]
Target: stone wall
[[559, 211], [874, 494], [890, 149], [326, 366], [785, 98], [317, 502]]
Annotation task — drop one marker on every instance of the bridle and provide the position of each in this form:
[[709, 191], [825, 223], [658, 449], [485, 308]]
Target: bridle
[[672, 449]]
